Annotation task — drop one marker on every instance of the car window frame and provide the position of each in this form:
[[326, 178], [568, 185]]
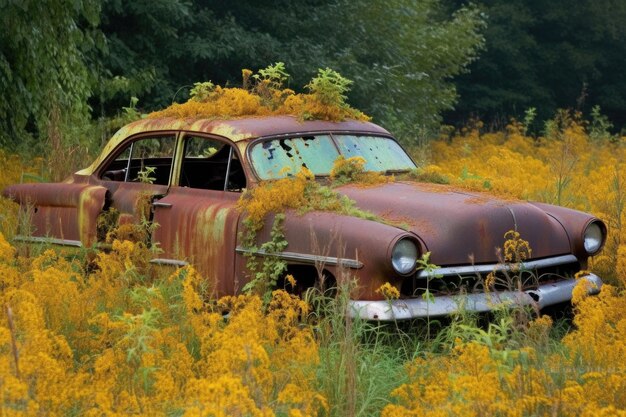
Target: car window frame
[[99, 172], [180, 151]]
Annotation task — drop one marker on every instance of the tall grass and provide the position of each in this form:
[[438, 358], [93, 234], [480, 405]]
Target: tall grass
[[95, 333]]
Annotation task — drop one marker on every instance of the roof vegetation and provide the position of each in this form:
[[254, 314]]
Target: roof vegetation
[[263, 94]]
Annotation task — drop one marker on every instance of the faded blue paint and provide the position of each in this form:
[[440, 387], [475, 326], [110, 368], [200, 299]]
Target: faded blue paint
[[380, 153], [279, 158]]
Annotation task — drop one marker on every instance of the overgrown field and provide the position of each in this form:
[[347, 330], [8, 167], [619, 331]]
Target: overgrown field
[[95, 333]]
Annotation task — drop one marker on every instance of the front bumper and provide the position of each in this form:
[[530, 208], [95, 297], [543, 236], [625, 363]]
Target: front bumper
[[545, 295]]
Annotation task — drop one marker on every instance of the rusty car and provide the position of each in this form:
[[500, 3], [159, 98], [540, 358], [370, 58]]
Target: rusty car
[[200, 167]]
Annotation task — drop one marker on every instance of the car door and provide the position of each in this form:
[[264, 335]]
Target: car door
[[197, 219], [138, 173]]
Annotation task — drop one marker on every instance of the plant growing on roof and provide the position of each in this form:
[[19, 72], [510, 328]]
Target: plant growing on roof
[[330, 87], [202, 91], [263, 94], [273, 76], [268, 85]]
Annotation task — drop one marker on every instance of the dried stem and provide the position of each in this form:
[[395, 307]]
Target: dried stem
[[16, 355]]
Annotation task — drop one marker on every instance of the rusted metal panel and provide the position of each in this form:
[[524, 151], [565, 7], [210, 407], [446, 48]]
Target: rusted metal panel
[[54, 221], [132, 199], [573, 221], [460, 228], [334, 235], [200, 227], [91, 203], [64, 211]]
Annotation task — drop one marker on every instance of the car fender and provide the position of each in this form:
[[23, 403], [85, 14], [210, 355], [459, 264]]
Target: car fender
[[346, 246]]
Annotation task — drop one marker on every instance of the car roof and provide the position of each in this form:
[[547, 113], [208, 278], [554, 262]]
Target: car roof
[[237, 130], [240, 129]]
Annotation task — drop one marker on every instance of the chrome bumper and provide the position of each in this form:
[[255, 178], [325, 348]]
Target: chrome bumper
[[545, 295]]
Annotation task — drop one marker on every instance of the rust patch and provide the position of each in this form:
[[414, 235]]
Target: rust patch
[[91, 203], [397, 220], [67, 211], [429, 187], [424, 227], [480, 198], [200, 227]]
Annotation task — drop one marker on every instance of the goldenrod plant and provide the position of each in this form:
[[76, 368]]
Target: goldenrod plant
[[263, 94], [109, 333]]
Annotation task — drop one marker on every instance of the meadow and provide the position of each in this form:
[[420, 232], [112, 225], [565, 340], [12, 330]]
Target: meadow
[[94, 333]]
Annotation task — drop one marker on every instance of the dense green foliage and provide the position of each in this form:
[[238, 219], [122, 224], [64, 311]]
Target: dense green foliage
[[401, 54], [64, 64], [91, 55], [45, 52], [547, 55]]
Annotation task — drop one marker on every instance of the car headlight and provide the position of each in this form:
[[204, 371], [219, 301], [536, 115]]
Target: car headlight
[[404, 256], [593, 238]]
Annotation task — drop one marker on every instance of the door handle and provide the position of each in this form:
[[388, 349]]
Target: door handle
[[160, 204]]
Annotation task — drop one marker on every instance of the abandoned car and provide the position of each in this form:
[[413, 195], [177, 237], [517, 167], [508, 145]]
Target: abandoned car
[[197, 170]]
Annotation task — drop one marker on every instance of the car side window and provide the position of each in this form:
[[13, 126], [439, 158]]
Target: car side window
[[211, 165], [148, 159]]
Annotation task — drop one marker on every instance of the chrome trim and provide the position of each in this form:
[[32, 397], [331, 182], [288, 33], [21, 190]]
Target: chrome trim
[[161, 204], [130, 158], [230, 158], [50, 240], [478, 269], [165, 261], [545, 295], [305, 258]]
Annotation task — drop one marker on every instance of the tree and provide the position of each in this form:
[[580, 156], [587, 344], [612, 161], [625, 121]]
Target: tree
[[548, 55], [60, 60], [402, 54], [43, 68]]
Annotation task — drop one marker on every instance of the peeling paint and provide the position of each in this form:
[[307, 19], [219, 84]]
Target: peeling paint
[[200, 227], [67, 211]]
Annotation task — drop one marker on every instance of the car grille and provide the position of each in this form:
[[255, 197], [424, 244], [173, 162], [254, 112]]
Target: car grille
[[499, 277]]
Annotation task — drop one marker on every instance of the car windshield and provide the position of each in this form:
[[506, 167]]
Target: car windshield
[[278, 158]]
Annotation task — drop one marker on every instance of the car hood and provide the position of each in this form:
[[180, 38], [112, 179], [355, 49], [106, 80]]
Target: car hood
[[460, 227]]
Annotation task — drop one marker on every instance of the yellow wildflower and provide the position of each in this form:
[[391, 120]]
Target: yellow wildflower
[[388, 291]]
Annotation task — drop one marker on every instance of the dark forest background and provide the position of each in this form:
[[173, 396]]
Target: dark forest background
[[68, 68]]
